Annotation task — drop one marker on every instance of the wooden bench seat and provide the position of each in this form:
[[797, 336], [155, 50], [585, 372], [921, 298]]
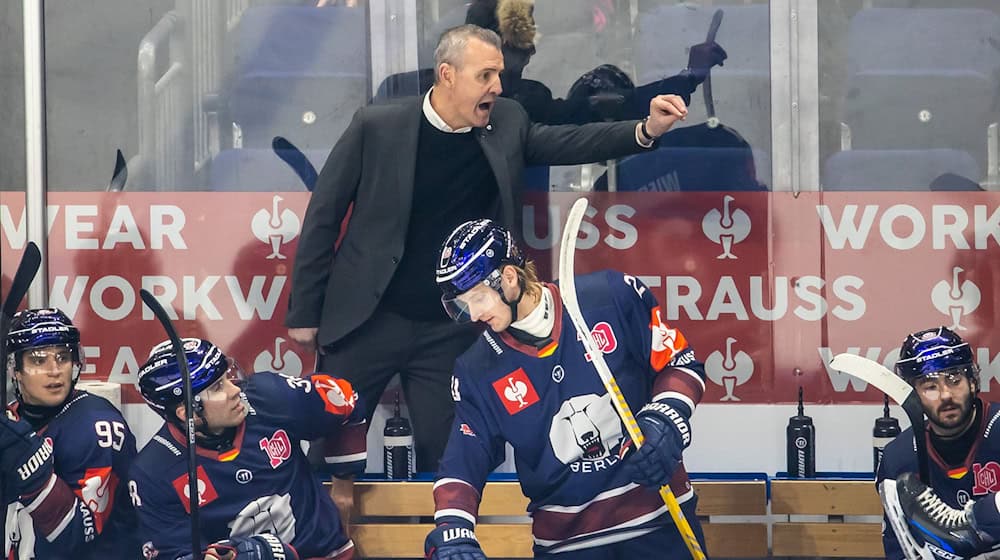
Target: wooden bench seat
[[383, 525], [833, 538]]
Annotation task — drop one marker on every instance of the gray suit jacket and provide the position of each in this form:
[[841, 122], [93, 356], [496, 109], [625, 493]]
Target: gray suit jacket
[[373, 166]]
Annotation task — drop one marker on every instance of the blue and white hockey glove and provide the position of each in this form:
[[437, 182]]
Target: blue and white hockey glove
[[255, 547], [454, 539], [25, 458], [667, 433]]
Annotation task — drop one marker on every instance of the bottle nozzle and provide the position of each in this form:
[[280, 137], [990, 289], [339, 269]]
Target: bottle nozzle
[[801, 410], [395, 409], [885, 406]]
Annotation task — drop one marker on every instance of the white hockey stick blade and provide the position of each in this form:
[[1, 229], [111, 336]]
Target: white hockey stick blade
[[878, 376], [567, 287], [875, 374]]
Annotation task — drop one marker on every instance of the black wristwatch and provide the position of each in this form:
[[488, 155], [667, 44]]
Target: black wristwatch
[[645, 132]]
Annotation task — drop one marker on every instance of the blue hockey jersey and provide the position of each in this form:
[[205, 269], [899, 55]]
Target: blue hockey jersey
[[263, 483], [977, 476], [549, 403], [84, 512]]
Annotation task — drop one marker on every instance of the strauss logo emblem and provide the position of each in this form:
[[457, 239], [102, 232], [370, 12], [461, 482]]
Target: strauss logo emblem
[[275, 227], [956, 299], [287, 362], [727, 227], [516, 391], [729, 370]]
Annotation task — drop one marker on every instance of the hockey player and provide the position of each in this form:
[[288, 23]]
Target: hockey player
[[66, 452], [258, 497], [962, 446], [527, 381]]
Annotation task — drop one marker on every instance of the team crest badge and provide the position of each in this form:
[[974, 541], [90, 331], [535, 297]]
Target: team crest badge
[[278, 448]]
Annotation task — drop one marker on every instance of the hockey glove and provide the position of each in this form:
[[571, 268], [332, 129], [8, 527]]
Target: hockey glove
[[255, 547], [26, 458], [702, 57], [926, 527], [453, 540], [667, 433]]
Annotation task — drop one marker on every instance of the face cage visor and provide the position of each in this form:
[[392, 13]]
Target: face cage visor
[[215, 391], [463, 307]]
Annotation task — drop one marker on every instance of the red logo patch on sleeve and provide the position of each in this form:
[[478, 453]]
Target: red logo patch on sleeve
[[338, 396], [97, 490], [666, 342], [515, 391], [206, 491]]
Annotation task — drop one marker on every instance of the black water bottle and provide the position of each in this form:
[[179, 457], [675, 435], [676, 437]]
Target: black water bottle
[[800, 444], [397, 444], [886, 429]]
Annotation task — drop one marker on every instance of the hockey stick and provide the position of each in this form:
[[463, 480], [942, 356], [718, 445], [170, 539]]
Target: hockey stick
[[567, 289], [876, 375], [706, 86], [194, 496], [120, 175], [295, 159], [31, 260]]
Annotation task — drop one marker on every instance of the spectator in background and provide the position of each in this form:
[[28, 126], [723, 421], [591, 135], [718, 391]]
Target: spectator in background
[[413, 171], [514, 21], [604, 93]]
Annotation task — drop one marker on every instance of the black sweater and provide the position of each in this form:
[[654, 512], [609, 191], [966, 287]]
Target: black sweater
[[453, 183]]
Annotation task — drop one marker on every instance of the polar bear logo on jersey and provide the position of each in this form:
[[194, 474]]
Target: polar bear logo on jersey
[[586, 428], [269, 514]]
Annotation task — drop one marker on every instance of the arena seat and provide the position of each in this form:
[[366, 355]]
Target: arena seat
[[899, 170], [668, 169], [922, 78], [257, 170], [299, 72]]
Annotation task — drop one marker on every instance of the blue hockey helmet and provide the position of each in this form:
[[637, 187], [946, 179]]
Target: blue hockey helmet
[[474, 251], [935, 351], [473, 254], [160, 381], [39, 328]]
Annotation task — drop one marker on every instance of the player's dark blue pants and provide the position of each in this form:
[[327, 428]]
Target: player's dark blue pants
[[665, 542]]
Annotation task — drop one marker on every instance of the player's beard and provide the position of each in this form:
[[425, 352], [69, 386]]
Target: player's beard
[[961, 423]]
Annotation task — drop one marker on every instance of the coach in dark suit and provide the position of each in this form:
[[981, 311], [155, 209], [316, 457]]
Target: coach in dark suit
[[414, 171]]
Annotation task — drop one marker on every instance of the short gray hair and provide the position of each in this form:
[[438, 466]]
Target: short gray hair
[[451, 46]]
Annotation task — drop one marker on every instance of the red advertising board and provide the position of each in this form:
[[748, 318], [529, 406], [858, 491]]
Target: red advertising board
[[766, 286]]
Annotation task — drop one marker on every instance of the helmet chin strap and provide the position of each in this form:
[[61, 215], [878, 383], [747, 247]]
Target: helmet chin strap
[[513, 304], [197, 407]]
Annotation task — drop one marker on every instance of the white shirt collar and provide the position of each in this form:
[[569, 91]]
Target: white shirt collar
[[436, 120]]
